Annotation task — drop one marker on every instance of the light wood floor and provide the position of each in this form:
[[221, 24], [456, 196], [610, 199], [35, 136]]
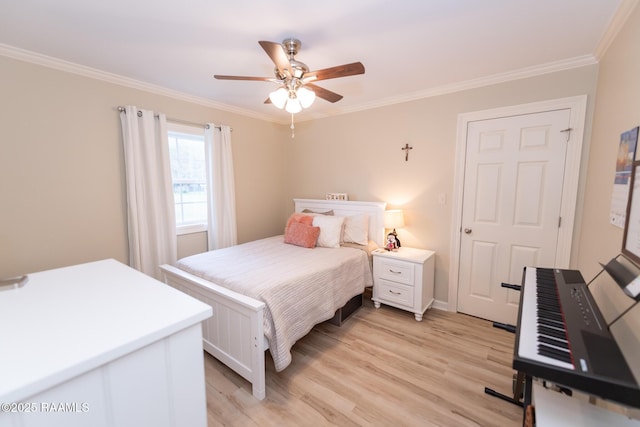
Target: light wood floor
[[381, 368]]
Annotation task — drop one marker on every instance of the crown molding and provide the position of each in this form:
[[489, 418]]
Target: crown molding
[[70, 67], [494, 79], [58, 64], [614, 26], [522, 73]]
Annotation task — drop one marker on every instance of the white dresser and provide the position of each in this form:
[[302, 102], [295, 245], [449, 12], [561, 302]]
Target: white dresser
[[404, 279], [100, 344]]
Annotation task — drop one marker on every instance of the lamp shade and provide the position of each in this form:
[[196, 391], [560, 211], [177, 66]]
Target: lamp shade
[[293, 106], [393, 219], [279, 97], [306, 96]]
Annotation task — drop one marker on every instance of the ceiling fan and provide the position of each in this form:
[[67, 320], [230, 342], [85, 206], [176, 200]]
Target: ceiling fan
[[296, 90]]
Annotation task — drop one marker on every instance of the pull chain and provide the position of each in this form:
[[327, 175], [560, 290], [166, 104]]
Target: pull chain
[[293, 135]]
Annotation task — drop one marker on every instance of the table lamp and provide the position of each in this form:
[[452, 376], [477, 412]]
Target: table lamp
[[394, 219]]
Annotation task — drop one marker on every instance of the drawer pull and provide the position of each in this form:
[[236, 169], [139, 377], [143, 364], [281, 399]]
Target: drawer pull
[[395, 293], [395, 272]]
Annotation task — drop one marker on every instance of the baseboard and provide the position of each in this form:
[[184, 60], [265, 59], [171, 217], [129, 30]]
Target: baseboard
[[440, 305]]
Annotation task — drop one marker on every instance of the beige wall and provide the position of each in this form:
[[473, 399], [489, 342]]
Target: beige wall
[[360, 154], [617, 110], [62, 170]]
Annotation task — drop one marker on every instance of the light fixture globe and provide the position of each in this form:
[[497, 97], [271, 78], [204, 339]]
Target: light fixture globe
[[306, 96], [293, 105], [279, 97]]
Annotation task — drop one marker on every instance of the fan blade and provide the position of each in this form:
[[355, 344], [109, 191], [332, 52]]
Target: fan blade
[[278, 56], [335, 72], [324, 93], [261, 79]]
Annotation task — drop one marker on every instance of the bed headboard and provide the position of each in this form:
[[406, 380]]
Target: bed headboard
[[347, 208]]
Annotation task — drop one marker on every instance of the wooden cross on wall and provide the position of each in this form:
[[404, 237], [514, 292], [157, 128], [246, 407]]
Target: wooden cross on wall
[[406, 149]]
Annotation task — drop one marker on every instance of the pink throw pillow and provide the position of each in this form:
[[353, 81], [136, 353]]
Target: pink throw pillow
[[298, 217], [300, 234]]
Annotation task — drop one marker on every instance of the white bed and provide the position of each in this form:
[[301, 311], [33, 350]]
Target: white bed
[[237, 332]]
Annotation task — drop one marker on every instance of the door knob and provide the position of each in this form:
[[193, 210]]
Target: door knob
[[467, 230]]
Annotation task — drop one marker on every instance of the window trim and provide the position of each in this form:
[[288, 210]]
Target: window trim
[[191, 228]]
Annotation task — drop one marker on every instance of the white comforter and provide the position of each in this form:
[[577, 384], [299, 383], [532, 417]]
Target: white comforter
[[301, 287]]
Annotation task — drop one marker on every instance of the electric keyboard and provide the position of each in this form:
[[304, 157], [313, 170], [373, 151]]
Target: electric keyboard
[[561, 336]]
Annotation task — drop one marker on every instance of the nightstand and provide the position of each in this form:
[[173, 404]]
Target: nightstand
[[404, 279]]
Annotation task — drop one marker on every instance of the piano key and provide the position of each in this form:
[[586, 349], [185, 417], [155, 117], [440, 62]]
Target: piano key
[[546, 314], [527, 343], [550, 309], [548, 299], [544, 299], [554, 353], [551, 323], [554, 341], [551, 299], [552, 332], [551, 305], [558, 326]]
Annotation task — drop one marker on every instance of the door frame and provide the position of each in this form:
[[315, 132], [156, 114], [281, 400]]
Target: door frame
[[578, 107]]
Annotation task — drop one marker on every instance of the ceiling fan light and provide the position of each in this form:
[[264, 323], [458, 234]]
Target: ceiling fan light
[[293, 106], [279, 97], [306, 96]]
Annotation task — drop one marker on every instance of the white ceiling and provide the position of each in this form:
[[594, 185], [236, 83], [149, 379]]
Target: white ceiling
[[410, 48]]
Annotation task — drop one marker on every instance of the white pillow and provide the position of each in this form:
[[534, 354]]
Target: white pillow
[[356, 229], [330, 230]]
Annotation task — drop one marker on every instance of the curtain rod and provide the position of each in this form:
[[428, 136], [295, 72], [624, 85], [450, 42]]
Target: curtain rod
[[184, 122]]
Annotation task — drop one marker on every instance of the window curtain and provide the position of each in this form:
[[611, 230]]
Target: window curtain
[[150, 205], [221, 194]]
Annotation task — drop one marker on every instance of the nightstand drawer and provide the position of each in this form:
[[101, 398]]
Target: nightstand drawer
[[394, 293], [396, 271]]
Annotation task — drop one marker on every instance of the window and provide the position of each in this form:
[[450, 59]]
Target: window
[[188, 172]]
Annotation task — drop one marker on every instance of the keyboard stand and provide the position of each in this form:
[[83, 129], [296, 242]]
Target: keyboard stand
[[520, 376], [518, 388], [508, 328]]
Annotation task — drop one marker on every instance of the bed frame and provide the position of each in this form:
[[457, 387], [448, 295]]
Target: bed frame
[[234, 334]]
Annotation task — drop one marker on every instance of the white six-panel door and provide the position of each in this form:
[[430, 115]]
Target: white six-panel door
[[512, 195]]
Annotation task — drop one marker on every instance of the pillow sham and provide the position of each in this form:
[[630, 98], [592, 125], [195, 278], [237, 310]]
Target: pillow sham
[[330, 230], [356, 229], [300, 234], [298, 217]]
